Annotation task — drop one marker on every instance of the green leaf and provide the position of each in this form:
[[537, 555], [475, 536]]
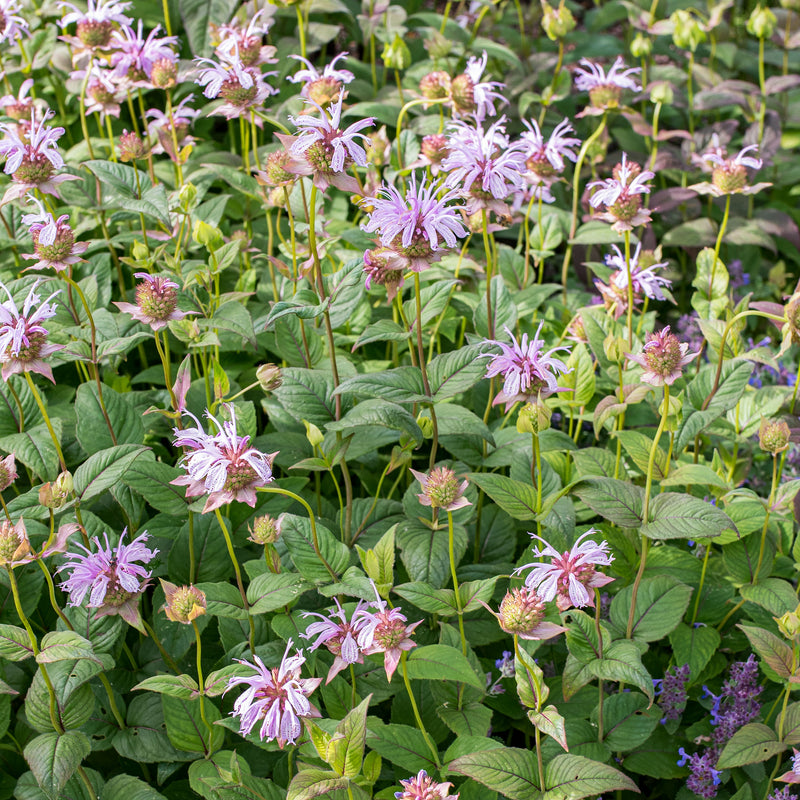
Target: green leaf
[[424, 551], [378, 413], [14, 643], [627, 721], [153, 481], [102, 470], [711, 297], [681, 516], [223, 600], [268, 592], [638, 447], [346, 748], [126, 787], [573, 777], [750, 745], [185, 726], [296, 535], [509, 771], [438, 662], [63, 645], [581, 380], [403, 745], [622, 662], [310, 783], [661, 603], [516, 498], [617, 501], [791, 724], [775, 652], [400, 385], [531, 688], [426, 597], [773, 594], [182, 686], [306, 395], [35, 449], [549, 721], [456, 372], [196, 16], [694, 646], [119, 179], [54, 757], [384, 330]]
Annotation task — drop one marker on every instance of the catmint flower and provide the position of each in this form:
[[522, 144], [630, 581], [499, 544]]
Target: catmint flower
[[413, 224], [729, 175], [184, 603], [484, 165], [605, 89], [156, 302], [321, 87], [384, 631], [773, 435], [12, 25], [222, 465], [671, 692], [793, 775], [162, 125], [441, 489], [383, 266], [276, 698], [241, 87], [506, 664], [247, 40], [8, 471], [527, 372], [737, 703], [19, 106], [704, 779], [328, 151], [96, 24], [23, 338], [663, 358], [544, 159], [133, 56], [54, 245], [338, 634], [474, 97], [31, 163], [621, 195], [782, 794], [421, 787], [266, 529], [569, 575], [110, 576]]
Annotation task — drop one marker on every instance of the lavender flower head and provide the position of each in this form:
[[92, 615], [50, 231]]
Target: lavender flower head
[[545, 158], [247, 39], [781, 794], [276, 697], [321, 87], [54, 244], [484, 165], [441, 489], [96, 24], [621, 195], [19, 106], [156, 302], [569, 576], [133, 56], [328, 150], [663, 358], [422, 787], [605, 89], [161, 124], [737, 703], [338, 634], [110, 576], [412, 225], [703, 779], [12, 25], [23, 338], [528, 373], [644, 279], [472, 96], [671, 692], [729, 175], [222, 465]]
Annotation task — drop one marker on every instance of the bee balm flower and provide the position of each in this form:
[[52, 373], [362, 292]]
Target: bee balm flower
[[663, 358]]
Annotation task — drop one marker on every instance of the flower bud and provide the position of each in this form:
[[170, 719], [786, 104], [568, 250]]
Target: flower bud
[[435, 86], [462, 91], [207, 235], [438, 46], [533, 418], [426, 426], [131, 147], [184, 603], [14, 544], [187, 197], [662, 93], [95, 33], [521, 611], [614, 348], [54, 495], [773, 435], [557, 22], [164, 74], [762, 22], [396, 54], [789, 623], [269, 377], [314, 435], [641, 46], [434, 147], [8, 472], [687, 32], [266, 530]]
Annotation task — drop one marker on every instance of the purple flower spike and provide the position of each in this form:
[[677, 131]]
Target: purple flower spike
[[276, 698], [527, 372]]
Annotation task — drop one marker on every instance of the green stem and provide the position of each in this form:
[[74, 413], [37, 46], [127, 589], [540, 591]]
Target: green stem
[[401, 116], [43, 411], [301, 30], [237, 570], [601, 692], [415, 709], [702, 581], [451, 551], [629, 315], [424, 369], [723, 225], [201, 684], [82, 113], [168, 660], [489, 267], [656, 114], [771, 500]]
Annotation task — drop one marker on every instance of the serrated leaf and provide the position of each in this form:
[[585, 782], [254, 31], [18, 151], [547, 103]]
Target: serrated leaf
[[456, 372], [773, 594], [54, 757], [309, 783], [35, 449], [516, 498], [549, 721], [509, 770], [400, 744], [268, 592], [378, 413], [438, 662], [681, 516], [617, 501], [751, 744], [660, 605], [102, 470], [400, 385], [181, 686], [126, 787], [622, 662], [14, 643], [694, 646], [346, 747], [63, 645], [774, 651], [185, 726], [573, 777]]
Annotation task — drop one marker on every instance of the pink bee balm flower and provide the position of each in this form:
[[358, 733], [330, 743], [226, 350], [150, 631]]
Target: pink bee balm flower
[[570, 575], [421, 787], [156, 302], [527, 372], [522, 614], [162, 126], [413, 224], [110, 576], [473, 96], [545, 158], [321, 87], [793, 775], [663, 358], [12, 26], [441, 489], [222, 465], [96, 24], [338, 634], [729, 175], [23, 338], [248, 40], [18, 106], [277, 698], [54, 245], [621, 195], [605, 89], [384, 631], [384, 267], [133, 56], [8, 471]]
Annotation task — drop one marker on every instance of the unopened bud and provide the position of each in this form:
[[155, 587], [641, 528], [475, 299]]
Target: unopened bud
[[662, 93], [521, 612], [641, 46], [438, 46], [534, 418], [789, 623], [426, 426], [207, 235], [54, 495], [184, 603], [14, 544], [557, 22], [762, 22], [164, 74], [396, 54], [187, 197], [313, 434], [266, 530], [614, 348], [269, 377], [8, 472], [131, 147], [687, 32], [435, 86], [773, 436]]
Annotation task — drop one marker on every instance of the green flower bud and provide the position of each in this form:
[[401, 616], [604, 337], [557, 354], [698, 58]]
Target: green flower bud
[[662, 93], [557, 22], [396, 54], [533, 418], [641, 46], [762, 22], [207, 235], [687, 32]]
